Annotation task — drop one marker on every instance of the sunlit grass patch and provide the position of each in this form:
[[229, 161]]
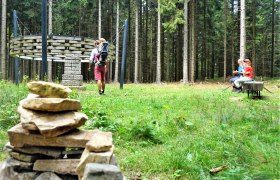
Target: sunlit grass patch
[[171, 131]]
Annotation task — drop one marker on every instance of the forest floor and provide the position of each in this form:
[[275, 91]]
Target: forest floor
[[173, 131]]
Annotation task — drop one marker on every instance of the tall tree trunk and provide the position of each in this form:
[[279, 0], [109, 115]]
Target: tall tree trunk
[[192, 64], [242, 30], [185, 56], [195, 42], [169, 57], [254, 60], [272, 39], [225, 39], [99, 19], [50, 32], [136, 65], [158, 77], [3, 39], [146, 42], [203, 59], [232, 35], [141, 42], [128, 59], [264, 55], [117, 44], [213, 61]]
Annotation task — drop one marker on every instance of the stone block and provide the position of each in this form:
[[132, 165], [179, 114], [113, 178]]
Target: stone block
[[51, 104], [67, 64], [72, 82], [102, 172], [51, 124], [78, 77], [60, 166], [47, 89], [67, 76], [76, 72], [26, 157], [92, 157], [75, 68], [68, 68], [100, 142], [20, 137], [55, 152]]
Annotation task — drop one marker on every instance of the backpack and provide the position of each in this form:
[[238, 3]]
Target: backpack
[[103, 52]]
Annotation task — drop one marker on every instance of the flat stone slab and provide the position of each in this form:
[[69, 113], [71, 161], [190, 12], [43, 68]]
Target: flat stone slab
[[77, 138], [55, 152], [19, 165], [47, 89], [102, 172], [51, 124], [51, 104], [60, 166], [100, 142], [26, 157], [93, 157]]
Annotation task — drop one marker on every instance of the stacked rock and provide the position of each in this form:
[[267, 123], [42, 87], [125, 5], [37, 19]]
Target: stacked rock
[[47, 144]]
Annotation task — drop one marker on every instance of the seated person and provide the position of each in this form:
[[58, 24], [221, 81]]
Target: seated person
[[247, 75], [238, 72]]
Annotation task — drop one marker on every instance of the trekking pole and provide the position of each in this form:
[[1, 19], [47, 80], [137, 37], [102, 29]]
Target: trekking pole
[[268, 90], [226, 88]]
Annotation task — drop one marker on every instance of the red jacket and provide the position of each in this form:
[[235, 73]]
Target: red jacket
[[249, 72]]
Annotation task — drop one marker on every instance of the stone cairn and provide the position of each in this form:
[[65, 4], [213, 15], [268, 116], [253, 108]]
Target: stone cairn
[[47, 143]]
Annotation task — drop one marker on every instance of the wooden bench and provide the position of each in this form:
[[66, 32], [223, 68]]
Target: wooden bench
[[253, 87]]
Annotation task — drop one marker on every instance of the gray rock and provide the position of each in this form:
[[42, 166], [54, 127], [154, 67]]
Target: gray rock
[[93, 157], [19, 165], [48, 176], [26, 175], [7, 172], [102, 172], [113, 160], [26, 157], [55, 152]]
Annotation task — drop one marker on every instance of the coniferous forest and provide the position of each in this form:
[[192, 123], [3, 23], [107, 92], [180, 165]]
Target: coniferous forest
[[168, 40]]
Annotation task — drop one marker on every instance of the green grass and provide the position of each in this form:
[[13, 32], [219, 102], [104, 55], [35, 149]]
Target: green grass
[[171, 131]]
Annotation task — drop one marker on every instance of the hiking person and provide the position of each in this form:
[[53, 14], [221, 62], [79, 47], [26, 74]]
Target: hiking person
[[247, 75], [99, 58]]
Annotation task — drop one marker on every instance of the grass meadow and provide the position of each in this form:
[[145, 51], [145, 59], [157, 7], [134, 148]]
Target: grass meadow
[[172, 131]]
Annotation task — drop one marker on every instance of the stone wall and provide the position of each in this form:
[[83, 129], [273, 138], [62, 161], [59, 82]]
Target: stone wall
[[59, 47]]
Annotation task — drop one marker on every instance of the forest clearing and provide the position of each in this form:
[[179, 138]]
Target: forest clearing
[[172, 131], [192, 89]]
